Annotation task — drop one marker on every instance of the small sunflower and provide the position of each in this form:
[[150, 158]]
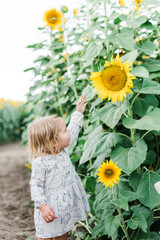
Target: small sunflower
[[122, 3], [53, 19], [76, 11], [137, 4], [114, 81], [109, 173]]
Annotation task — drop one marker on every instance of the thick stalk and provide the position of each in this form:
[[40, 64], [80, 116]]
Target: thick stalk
[[56, 83], [68, 63], [106, 27], [122, 219], [58, 96], [132, 130]]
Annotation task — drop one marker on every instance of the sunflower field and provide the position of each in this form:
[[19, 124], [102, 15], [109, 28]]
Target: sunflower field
[[110, 52], [12, 115]]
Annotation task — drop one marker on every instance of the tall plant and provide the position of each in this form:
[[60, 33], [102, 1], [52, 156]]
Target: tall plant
[[109, 51]]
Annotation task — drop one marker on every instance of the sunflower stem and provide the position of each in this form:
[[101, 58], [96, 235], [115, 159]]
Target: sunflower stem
[[58, 96], [132, 130], [134, 99], [125, 136], [68, 62], [122, 219], [106, 27], [145, 134]]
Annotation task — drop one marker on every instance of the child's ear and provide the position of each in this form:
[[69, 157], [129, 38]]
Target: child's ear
[[52, 143]]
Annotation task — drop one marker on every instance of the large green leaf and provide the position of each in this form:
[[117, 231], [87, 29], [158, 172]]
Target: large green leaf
[[139, 217], [93, 49], [153, 65], [125, 38], [137, 220], [136, 22], [149, 87], [97, 143], [131, 56], [122, 203], [149, 122], [141, 105], [148, 195], [129, 159], [110, 114], [112, 223], [140, 72], [148, 47]]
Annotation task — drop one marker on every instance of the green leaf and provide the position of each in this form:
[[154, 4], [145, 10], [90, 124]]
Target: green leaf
[[97, 143], [129, 159], [99, 228], [149, 87], [134, 180], [131, 56], [112, 223], [93, 49], [90, 184], [125, 38], [153, 65], [89, 92], [141, 105], [148, 195], [122, 203], [137, 22], [149, 122], [148, 47], [100, 158], [111, 114], [140, 72]]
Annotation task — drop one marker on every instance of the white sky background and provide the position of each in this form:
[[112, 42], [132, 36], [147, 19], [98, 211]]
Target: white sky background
[[19, 22]]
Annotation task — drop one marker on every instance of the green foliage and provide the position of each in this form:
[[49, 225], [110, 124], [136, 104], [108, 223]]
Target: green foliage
[[11, 118], [127, 132]]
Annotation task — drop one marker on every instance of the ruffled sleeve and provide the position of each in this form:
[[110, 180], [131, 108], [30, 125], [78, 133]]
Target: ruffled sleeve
[[37, 182], [75, 125]]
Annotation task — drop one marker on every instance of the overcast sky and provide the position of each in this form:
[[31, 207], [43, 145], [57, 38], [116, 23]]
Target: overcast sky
[[19, 22]]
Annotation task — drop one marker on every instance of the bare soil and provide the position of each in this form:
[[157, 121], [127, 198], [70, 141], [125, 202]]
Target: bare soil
[[16, 214]]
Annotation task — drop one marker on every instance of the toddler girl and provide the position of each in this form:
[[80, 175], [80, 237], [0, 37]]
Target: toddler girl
[[56, 189]]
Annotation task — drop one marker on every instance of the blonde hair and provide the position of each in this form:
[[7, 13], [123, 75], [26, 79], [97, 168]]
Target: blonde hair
[[40, 133]]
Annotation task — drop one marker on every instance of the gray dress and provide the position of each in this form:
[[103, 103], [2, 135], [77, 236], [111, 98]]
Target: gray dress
[[54, 181]]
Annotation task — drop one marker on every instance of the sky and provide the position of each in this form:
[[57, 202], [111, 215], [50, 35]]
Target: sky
[[19, 22]]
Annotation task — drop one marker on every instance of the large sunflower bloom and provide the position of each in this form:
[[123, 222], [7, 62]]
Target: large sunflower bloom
[[114, 81], [53, 19], [109, 173]]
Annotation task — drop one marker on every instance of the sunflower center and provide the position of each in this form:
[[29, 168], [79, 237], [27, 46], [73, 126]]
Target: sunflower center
[[53, 18], [114, 78], [108, 172]]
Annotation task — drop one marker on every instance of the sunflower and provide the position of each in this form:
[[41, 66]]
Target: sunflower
[[53, 19], [114, 81], [109, 173], [76, 11], [137, 4], [122, 3]]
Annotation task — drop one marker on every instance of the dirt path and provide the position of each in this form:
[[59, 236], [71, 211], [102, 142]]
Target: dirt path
[[16, 215]]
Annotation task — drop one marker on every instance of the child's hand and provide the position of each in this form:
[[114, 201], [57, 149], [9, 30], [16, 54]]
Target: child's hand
[[47, 213], [80, 107]]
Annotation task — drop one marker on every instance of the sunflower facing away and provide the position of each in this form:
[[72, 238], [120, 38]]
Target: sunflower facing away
[[109, 173], [53, 19], [114, 81]]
